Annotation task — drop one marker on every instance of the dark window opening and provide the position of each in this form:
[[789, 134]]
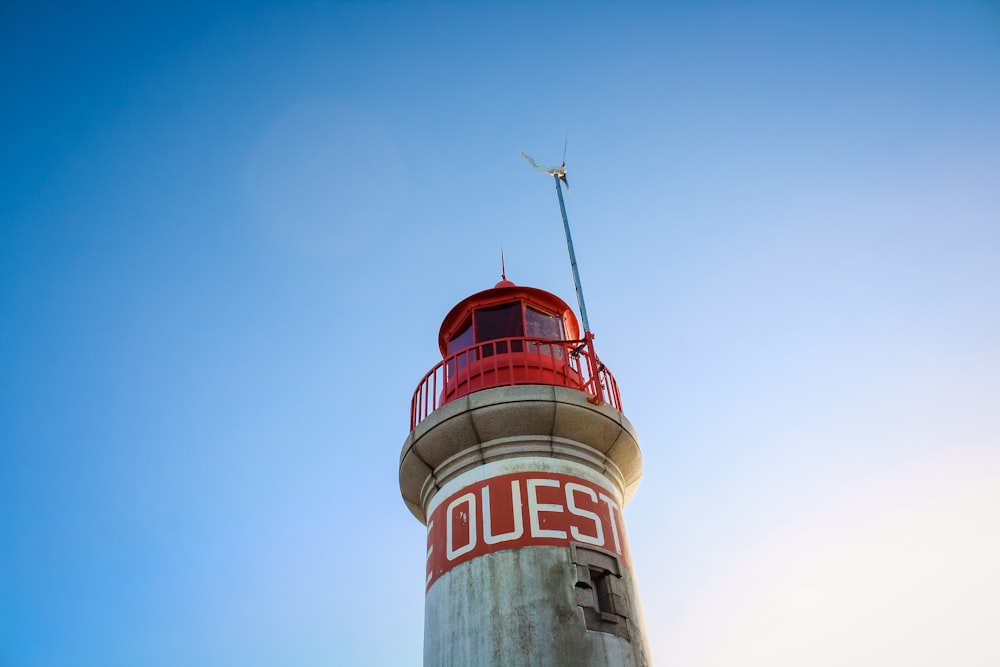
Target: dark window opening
[[601, 586], [600, 590]]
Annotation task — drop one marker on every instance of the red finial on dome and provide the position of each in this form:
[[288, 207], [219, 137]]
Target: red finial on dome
[[503, 273]]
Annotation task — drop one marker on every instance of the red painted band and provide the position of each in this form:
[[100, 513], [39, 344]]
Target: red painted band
[[521, 510]]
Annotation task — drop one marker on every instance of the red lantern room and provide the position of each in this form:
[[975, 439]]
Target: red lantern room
[[512, 335]]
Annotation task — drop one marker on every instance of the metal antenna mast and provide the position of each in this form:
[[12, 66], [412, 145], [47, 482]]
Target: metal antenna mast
[[559, 174]]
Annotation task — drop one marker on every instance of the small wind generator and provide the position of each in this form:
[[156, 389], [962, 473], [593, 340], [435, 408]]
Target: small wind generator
[[559, 174]]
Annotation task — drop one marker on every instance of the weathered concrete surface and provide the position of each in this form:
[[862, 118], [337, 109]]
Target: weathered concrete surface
[[518, 608]]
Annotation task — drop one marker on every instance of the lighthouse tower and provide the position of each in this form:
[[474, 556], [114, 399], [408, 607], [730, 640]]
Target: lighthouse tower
[[519, 462]]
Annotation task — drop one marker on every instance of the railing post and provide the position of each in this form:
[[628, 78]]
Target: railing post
[[595, 367]]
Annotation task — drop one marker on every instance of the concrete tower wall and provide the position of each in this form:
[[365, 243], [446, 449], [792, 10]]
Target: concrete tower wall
[[527, 563]]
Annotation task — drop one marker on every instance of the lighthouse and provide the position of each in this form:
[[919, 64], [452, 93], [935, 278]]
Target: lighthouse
[[520, 461]]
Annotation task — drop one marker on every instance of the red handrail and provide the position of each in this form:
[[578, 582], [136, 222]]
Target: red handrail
[[513, 361]]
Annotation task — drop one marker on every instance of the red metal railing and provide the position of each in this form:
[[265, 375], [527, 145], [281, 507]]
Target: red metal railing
[[513, 361]]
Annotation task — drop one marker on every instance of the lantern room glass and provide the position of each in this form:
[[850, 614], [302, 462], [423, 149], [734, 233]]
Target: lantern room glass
[[462, 339], [499, 322], [539, 324]]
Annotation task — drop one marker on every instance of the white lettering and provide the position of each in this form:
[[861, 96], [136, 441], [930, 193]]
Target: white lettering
[[598, 538], [488, 536], [534, 508], [469, 518], [430, 550], [612, 506]]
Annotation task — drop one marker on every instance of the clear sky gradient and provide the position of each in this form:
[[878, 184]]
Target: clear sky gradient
[[229, 233]]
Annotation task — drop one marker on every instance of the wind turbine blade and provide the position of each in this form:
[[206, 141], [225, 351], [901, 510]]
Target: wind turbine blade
[[534, 165]]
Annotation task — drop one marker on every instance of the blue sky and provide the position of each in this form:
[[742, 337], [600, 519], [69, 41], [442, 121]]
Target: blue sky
[[229, 233]]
